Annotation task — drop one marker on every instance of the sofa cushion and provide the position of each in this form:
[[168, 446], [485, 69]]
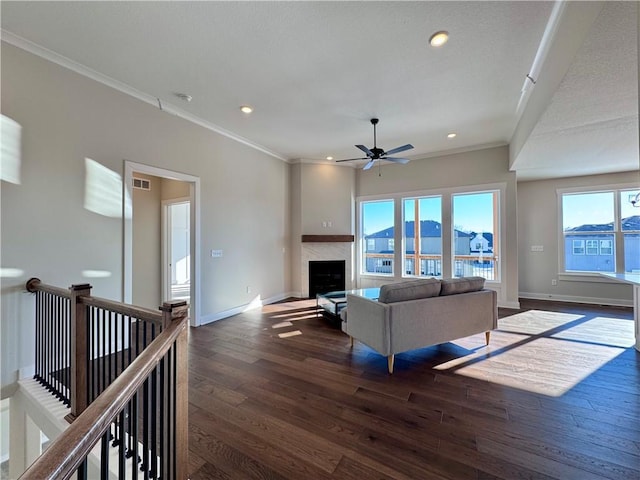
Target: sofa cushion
[[452, 286], [409, 290]]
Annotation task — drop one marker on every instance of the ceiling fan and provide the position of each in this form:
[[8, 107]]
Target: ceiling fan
[[378, 153]]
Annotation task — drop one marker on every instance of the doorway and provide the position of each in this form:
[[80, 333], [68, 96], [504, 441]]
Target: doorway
[[194, 232]]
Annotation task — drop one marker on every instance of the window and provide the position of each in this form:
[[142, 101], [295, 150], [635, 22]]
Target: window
[[630, 227], [606, 247], [403, 235], [578, 247], [423, 236], [377, 230], [592, 247], [475, 228], [600, 231]]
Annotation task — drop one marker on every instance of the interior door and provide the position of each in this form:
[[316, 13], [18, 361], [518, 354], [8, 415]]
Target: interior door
[[177, 251]]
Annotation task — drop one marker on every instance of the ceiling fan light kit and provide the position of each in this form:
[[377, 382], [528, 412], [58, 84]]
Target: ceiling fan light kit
[[376, 153]]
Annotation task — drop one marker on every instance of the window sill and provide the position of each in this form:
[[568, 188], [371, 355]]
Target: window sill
[[585, 277]]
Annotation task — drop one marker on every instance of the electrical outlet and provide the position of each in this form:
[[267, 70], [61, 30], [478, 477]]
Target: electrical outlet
[[537, 248], [248, 289], [554, 282], [216, 253]]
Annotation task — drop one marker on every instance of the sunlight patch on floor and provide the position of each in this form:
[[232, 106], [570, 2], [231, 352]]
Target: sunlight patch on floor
[[616, 332], [282, 324], [544, 352], [290, 334]]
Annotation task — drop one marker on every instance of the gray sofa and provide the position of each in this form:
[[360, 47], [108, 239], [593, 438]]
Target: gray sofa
[[418, 313]]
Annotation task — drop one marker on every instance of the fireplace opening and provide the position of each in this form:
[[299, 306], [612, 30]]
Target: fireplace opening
[[326, 276]]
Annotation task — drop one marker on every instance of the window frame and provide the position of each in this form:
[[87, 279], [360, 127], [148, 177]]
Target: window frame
[[617, 245], [361, 262], [418, 248], [447, 262]]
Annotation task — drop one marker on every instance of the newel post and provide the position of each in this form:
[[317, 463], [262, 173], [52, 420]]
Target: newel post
[[79, 351], [175, 311]]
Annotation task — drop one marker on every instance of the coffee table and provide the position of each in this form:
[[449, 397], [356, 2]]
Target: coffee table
[[330, 304]]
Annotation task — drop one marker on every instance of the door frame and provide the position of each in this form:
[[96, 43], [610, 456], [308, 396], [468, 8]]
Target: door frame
[[127, 206]]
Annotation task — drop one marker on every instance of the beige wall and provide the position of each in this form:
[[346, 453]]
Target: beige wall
[[320, 194], [171, 189], [48, 232], [146, 221], [479, 167], [538, 225], [328, 193]]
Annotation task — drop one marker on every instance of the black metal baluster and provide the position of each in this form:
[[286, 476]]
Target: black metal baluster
[[103, 356], [154, 423], [82, 470], [121, 449], [162, 414], [39, 335], [95, 357], [56, 347], [122, 344], [104, 456], [134, 435], [65, 346], [47, 339], [145, 430], [90, 340], [110, 347]]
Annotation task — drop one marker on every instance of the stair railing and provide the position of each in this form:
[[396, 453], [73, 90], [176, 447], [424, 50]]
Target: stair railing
[[123, 369]]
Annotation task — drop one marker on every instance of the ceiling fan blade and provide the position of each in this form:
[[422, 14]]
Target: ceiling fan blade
[[352, 159], [408, 146], [403, 161], [365, 150], [369, 165]]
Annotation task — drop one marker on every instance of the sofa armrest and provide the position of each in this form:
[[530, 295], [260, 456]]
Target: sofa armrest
[[368, 322]]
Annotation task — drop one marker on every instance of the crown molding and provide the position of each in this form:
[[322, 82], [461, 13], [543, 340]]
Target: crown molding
[[80, 69]]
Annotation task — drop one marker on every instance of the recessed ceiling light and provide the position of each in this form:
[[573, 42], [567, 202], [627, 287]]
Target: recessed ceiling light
[[184, 96], [246, 109], [452, 135], [439, 38], [329, 158]]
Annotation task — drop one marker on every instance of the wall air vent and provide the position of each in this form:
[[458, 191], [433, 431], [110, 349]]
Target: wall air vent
[[141, 184]]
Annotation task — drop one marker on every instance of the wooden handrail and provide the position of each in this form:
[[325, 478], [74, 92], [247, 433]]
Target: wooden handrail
[[35, 285], [146, 314], [140, 313], [67, 452]]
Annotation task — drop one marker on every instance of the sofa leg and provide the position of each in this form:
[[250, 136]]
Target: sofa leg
[[390, 359], [487, 335], [351, 341]]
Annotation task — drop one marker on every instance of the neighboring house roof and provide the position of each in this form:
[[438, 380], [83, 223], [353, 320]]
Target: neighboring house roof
[[629, 223], [486, 235], [428, 228]]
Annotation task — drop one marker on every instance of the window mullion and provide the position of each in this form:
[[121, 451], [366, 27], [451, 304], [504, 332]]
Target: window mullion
[[617, 233]]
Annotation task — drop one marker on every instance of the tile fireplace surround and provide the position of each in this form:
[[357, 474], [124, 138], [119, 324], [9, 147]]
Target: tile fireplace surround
[[313, 251]]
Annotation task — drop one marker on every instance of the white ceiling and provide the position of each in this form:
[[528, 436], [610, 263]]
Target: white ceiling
[[316, 72]]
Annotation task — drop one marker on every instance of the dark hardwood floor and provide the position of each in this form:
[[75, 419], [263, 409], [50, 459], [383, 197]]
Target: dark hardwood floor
[[278, 393]]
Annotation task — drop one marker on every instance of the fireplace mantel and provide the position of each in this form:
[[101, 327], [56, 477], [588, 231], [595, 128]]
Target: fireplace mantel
[[327, 238]]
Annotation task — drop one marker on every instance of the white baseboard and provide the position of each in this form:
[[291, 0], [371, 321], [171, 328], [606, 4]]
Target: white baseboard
[[515, 305], [256, 303], [616, 302]]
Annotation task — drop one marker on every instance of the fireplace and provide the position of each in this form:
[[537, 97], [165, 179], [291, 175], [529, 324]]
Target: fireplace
[[326, 276]]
